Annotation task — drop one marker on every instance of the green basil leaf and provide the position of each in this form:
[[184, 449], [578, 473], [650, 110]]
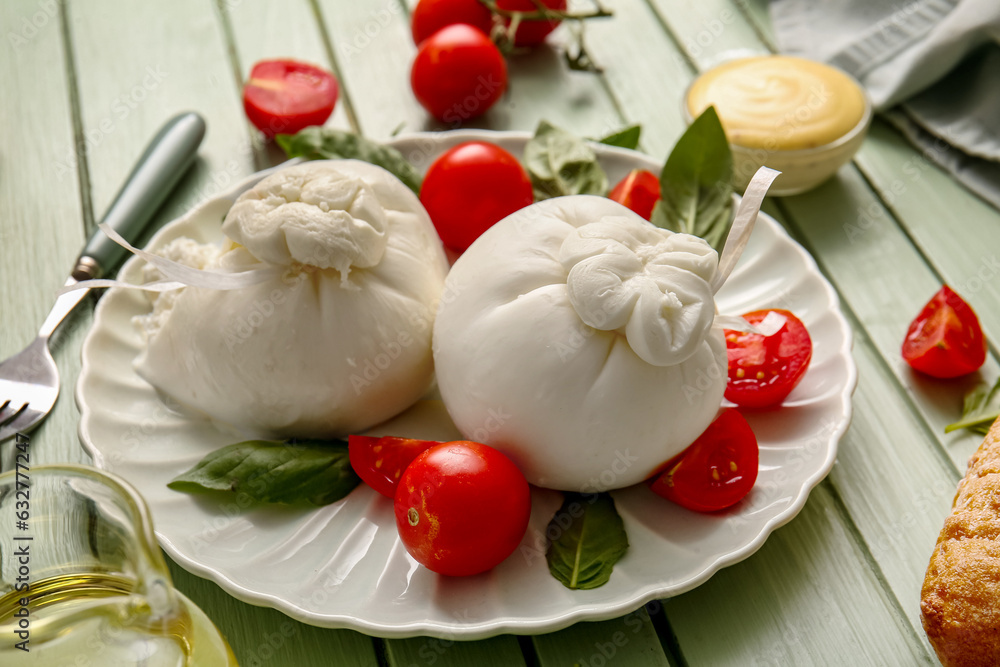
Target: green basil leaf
[[589, 539], [695, 183], [560, 163], [314, 471], [980, 410], [323, 143], [627, 138]]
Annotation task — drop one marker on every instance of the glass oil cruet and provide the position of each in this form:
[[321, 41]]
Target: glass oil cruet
[[83, 581]]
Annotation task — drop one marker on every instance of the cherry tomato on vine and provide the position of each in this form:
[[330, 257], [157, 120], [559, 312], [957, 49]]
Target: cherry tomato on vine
[[380, 461], [763, 370], [429, 16], [530, 33], [462, 508], [945, 340], [638, 191], [458, 73], [469, 188], [285, 96], [716, 471]]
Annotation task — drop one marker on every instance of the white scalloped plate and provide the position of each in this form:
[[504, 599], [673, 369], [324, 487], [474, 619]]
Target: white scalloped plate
[[343, 565]]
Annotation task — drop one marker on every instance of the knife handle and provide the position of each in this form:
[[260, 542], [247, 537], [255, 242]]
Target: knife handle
[[161, 166]]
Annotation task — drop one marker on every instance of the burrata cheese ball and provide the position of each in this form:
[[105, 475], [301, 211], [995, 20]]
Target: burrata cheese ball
[[336, 337], [579, 339]]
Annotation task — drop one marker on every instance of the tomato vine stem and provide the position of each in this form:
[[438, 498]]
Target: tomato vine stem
[[504, 34]]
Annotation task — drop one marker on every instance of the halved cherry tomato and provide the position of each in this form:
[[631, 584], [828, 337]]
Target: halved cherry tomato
[[429, 16], [469, 188], [530, 33], [285, 96], [638, 191], [462, 508], [716, 471], [458, 73], [380, 462], [764, 370], [945, 340]]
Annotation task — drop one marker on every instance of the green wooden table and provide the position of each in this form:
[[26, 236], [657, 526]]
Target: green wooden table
[[87, 83]]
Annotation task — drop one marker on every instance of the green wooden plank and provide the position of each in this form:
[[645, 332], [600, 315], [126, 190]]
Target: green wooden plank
[[131, 84], [262, 30], [626, 641], [41, 217], [809, 597], [897, 489], [371, 44], [262, 637], [502, 651], [855, 236], [645, 72], [955, 229], [885, 281], [951, 226], [112, 73]]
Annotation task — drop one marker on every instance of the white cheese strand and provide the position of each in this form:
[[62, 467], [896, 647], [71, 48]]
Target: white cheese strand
[[746, 216], [179, 275], [770, 325]]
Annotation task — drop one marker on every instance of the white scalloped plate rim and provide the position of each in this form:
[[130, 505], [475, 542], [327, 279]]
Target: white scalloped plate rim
[[420, 149]]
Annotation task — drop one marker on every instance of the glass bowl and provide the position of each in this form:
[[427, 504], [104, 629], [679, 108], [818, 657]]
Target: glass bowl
[[801, 169]]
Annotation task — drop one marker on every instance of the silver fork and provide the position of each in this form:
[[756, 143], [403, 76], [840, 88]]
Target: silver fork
[[29, 380]]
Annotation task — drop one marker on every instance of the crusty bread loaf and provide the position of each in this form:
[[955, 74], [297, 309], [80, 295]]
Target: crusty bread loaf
[[960, 600]]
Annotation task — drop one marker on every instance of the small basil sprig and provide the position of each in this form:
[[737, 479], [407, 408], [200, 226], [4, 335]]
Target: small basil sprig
[[560, 163], [314, 471], [323, 143], [695, 184], [588, 538], [626, 138], [980, 410]]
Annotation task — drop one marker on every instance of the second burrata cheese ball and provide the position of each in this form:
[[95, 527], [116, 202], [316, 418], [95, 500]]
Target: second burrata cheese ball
[[579, 339]]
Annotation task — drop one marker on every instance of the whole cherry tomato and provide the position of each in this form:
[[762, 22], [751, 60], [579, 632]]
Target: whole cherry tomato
[[530, 33], [638, 191], [763, 370], [458, 73], [462, 508], [469, 188], [945, 340], [285, 96], [429, 16], [380, 462], [716, 471]]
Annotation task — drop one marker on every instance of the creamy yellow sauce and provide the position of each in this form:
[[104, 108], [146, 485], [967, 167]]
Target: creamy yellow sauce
[[779, 102]]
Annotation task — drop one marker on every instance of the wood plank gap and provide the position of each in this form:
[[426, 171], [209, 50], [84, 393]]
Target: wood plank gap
[[345, 95], [405, 7], [873, 564], [790, 224], [229, 39], [744, 9], [259, 148], [381, 654], [665, 633], [615, 104], [692, 64], [76, 113], [528, 651], [907, 398], [870, 179]]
